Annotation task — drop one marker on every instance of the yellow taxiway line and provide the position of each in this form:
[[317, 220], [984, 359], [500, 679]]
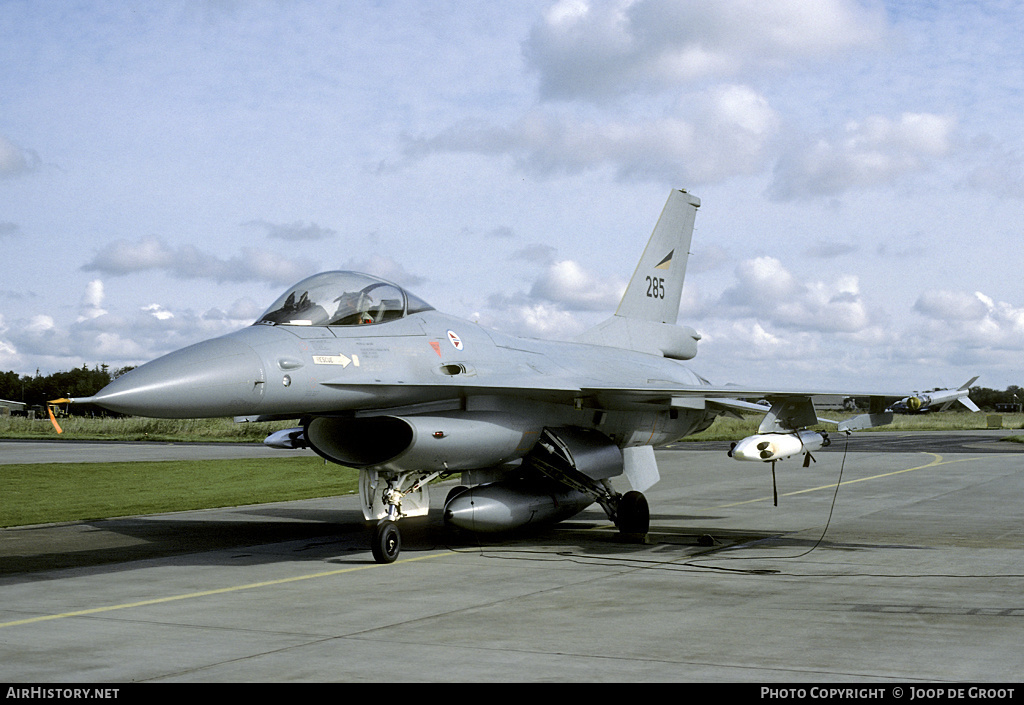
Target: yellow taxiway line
[[936, 461], [205, 593]]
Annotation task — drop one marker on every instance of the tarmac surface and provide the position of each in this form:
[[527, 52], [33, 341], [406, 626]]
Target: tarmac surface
[[909, 570]]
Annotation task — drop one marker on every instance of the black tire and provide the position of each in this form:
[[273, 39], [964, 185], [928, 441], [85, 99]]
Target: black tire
[[387, 542], [633, 515]]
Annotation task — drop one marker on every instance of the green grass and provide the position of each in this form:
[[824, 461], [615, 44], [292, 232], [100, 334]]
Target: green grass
[[55, 492], [84, 428]]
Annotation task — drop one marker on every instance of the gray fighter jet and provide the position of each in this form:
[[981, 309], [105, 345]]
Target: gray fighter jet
[[380, 381]]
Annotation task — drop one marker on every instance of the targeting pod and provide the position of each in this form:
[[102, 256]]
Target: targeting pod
[[766, 447]]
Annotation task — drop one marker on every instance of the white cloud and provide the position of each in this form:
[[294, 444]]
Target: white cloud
[[602, 49], [40, 323], [767, 291], [729, 132], [112, 346], [951, 306], [245, 310], [972, 319], [563, 301], [870, 153], [541, 320], [9, 356], [123, 257], [92, 301], [16, 161], [158, 312], [568, 284]]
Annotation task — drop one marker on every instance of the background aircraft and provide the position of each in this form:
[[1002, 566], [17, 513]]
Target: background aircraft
[[383, 382]]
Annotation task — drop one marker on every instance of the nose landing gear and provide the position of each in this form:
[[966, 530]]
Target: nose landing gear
[[386, 542]]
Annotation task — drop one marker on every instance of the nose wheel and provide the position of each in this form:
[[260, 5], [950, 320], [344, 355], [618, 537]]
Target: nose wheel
[[387, 542]]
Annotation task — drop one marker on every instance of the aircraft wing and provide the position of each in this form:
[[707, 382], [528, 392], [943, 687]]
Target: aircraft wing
[[795, 405], [789, 409]]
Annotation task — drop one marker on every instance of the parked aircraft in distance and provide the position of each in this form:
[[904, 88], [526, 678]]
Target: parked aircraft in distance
[[379, 380]]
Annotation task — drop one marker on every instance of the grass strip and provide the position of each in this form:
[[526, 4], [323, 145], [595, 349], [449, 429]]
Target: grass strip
[[57, 492], [134, 428]]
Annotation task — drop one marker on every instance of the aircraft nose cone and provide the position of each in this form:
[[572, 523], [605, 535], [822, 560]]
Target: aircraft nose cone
[[219, 377]]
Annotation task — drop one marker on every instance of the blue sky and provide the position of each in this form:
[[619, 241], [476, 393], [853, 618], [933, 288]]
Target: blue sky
[[168, 168]]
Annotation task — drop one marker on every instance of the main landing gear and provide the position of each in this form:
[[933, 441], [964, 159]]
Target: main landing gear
[[496, 507], [633, 516]]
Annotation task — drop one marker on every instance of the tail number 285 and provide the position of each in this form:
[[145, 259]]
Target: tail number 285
[[655, 288]]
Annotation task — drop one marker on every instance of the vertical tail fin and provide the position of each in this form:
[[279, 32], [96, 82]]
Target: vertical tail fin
[[654, 291], [646, 317]]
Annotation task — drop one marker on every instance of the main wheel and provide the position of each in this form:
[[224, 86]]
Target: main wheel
[[387, 542], [633, 516]]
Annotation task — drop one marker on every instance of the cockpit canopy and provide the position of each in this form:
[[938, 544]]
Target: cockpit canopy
[[342, 299]]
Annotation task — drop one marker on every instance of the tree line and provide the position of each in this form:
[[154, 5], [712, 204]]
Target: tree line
[[992, 399], [36, 391]]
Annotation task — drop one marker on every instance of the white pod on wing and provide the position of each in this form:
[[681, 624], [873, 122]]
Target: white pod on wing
[[765, 447]]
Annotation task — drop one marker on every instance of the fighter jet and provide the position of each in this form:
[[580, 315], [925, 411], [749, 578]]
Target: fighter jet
[[379, 380]]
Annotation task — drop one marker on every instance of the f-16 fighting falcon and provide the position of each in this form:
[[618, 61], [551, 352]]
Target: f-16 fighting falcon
[[377, 379]]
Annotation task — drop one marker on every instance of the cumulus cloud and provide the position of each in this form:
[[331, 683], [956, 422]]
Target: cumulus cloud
[[729, 132], [567, 283], [971, 331], [600, 49], [952, 305], [870, 152], [92, 301], [9, 357], [541, 320], [766, 290], [976, 318], [16, 161], [563, 301], [158, 312], [118, 337], [123, 257]]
